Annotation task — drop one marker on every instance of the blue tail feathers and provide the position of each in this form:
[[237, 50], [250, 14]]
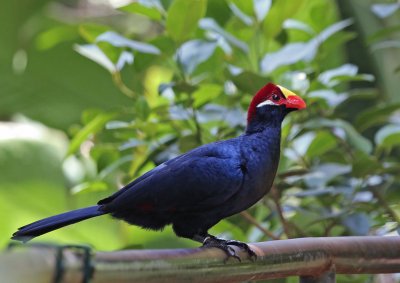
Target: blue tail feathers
[[46, 225]]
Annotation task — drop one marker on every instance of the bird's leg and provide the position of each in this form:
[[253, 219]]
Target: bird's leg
[[210, 241]]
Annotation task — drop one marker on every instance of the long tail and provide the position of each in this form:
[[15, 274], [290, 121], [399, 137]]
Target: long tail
[[46, 225]]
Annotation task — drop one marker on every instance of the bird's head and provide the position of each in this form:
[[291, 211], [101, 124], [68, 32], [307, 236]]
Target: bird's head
[[273, 101]]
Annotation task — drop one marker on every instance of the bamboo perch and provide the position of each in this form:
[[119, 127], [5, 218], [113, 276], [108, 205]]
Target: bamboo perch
[[295, 257]]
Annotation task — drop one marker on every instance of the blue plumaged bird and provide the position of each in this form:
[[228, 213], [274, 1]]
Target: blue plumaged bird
[[194, 191]]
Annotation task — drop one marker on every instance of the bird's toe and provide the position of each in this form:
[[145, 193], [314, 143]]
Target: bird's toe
[[213, 242], [245, 247]]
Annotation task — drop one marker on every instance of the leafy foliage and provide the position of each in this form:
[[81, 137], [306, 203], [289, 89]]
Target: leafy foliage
[[189, 80]]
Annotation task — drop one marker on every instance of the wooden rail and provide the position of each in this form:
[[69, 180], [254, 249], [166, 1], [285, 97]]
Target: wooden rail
[[313, 259]]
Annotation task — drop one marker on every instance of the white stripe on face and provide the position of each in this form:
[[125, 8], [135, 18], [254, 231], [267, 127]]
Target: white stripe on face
[[266, 102]]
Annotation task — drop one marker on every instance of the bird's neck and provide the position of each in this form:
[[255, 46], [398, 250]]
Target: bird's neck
[[267, 122], [264, 133], [266, 136]]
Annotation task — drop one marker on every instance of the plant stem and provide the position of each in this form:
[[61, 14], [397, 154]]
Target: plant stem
[[287, 226], [246, 215], [117, 79]]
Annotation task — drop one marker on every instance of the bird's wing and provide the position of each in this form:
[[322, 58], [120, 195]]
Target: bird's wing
[[201, 179]]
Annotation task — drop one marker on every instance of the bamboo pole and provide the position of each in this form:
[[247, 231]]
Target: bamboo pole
[[276, 259]]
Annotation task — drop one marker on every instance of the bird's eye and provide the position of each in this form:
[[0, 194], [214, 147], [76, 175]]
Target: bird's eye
[[275, 97]]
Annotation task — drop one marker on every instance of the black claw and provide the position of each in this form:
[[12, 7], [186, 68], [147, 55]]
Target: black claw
[[213, 242], [245, 247]]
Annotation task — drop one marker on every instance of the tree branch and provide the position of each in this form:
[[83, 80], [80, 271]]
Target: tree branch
[[276, 259], [246, 215]]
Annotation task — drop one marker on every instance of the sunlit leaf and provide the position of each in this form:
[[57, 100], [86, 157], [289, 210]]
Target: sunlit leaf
[[331, 97], [112, 125], [388, 136], [385, 44], [242, 16], [212, 26], [94, 53], [300, 51], [301, 144], [320, 175], [118, 40], [131, 143], [384, 10], [298, 25], [289, 54], [194, 52], [126, 58], [327, 77], [261, 8]]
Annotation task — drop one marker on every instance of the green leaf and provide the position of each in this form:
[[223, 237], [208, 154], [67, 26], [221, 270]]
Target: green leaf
[[249, 82], [151, 12], [244, 6], [322, 143], [91, 31], [54, 36], [375, 116], [353, 137], [88, 187], [388, 136], [183, 16], [364, 165], [206, 93], [279, 12], [383, 33], [350, 134], [142, 108], [92, 127]]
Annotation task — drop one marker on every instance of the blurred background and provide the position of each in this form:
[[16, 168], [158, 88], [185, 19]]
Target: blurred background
[[95, 93]]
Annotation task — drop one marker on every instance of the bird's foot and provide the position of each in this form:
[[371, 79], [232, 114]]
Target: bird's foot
[[243, 246], [225, 245]]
